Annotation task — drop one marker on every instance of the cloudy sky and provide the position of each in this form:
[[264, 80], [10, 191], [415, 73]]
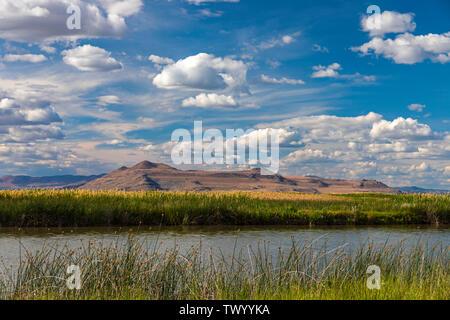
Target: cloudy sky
[[354, 99]]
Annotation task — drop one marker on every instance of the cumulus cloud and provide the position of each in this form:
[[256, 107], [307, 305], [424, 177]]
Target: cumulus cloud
[[405, 48], [267, 79], [204, 72], [211, 100], [331, 72], [28, 121], [363, 147], [417, 107], [48, 49], [328, 127], [305, 155], [27, 153], [160, 60], [32, 58], [45, 21], [420, 167], [324, 129], [12, 113], [401, 128], [90, 58], [410, 49], [326, 72], [123, 8], [388, 22], [395, 146], [26, 134]]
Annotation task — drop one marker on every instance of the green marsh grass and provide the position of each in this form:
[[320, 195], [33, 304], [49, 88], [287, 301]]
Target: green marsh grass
[[139, 270], [51, 208]]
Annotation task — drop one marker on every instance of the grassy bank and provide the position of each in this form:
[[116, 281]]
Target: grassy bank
[[133, 270], [39, 208]]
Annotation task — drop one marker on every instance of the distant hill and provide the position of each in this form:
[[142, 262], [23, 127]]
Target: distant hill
[[52, 182], [157, 176], [415, 189]]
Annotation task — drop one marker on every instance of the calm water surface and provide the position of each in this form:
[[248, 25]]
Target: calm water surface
[[224, 239]]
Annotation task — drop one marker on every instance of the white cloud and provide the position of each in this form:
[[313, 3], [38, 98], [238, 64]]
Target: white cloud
[[160, 60], [12, 113], [122, 8], [401, 128], [211, 100], [388, 22], [417, 107], [67, 91], [358, 77], [305, 156], [27, 134], [409, 49], [107, 100], [45, 20], [396, 146], [329, 128], [205, 72], [279, 42], [90, 58], [22, 8], [288, 39], [32, 58], [28, 122], [331, 72], [211, 14], [267, 79], [420, 167], [364, 147], [26, 153], [319, 48], [326, 72], [199, 2], [48, 49]]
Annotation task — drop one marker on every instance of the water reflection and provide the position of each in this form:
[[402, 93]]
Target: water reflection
[[226, 239]]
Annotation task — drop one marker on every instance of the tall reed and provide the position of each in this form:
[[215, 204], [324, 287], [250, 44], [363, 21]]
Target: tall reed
[[307, 270]]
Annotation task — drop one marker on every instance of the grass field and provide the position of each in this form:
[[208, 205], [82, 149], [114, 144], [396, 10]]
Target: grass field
[[134, 270], [45, 208]]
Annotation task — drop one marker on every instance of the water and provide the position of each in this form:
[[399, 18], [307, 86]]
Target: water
[[225, 239]]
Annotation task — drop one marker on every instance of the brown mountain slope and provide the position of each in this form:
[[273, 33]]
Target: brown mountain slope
[[343, 186], [155, 176]]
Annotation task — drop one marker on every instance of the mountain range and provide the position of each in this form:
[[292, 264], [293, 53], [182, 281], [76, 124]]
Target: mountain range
[[146, 176], [52, 182], [157, 176], [415, 189]]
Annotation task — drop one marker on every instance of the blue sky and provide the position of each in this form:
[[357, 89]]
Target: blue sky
[[355, 99]]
